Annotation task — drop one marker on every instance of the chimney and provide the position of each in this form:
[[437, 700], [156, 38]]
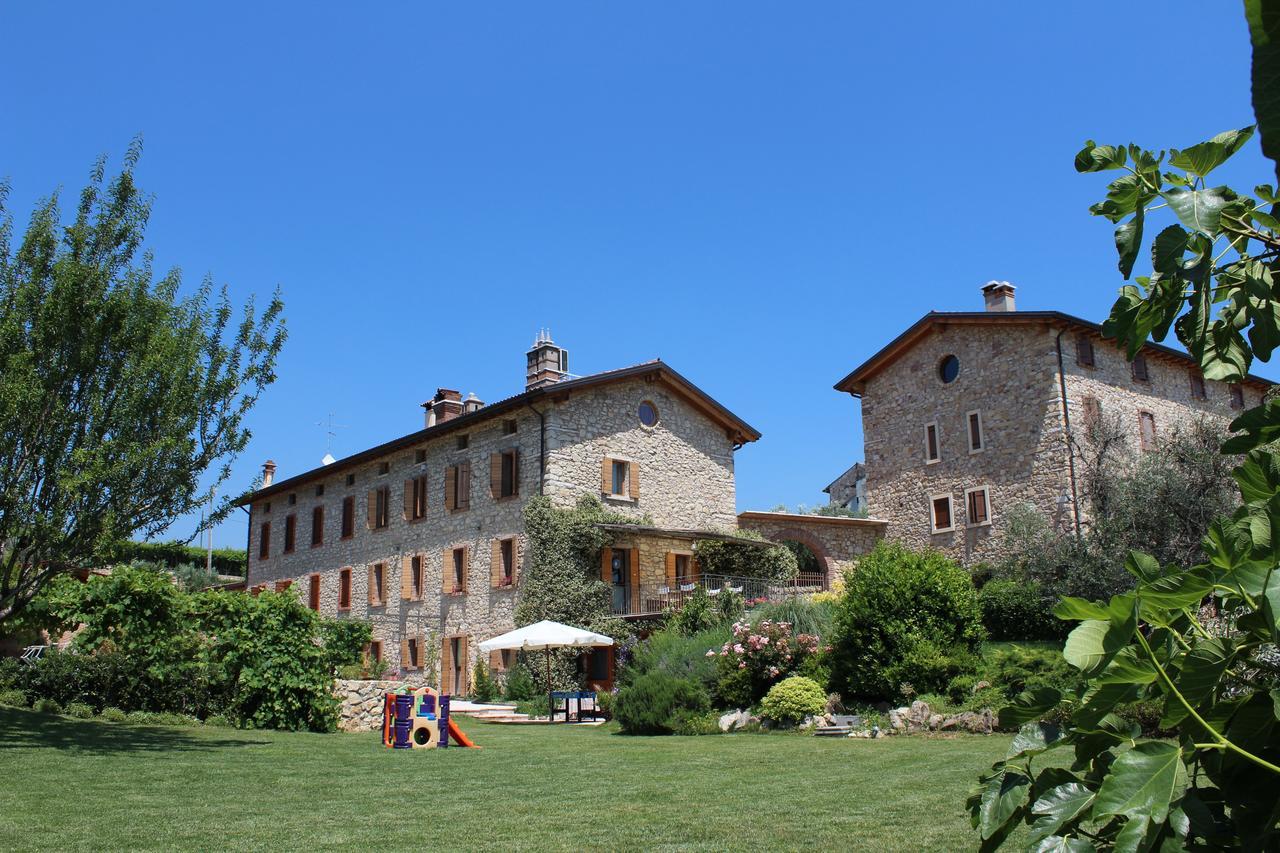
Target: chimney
[[429, 416], [445, 405], [268, 473], [471, 404], [548, 363], [998, 295]]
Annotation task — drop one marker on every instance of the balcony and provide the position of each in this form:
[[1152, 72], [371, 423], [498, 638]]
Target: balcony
[[659, 599]]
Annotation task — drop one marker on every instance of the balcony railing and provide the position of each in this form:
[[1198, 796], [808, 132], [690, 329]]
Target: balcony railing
[[657, 599]]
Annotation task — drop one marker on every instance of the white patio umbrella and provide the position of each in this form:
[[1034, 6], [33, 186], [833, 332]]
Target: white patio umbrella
[[545, 636]]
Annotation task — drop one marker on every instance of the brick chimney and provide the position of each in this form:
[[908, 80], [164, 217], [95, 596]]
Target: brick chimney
[[998, 295], [548, 363], [268, 473], [444, 406]]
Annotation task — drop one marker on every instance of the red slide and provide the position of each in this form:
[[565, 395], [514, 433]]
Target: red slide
[[456, 735]]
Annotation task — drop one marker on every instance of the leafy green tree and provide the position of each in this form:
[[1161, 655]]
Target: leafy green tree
[[1216, 678], [117, 397]]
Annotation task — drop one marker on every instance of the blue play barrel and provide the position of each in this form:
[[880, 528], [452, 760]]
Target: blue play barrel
[[404, 722]]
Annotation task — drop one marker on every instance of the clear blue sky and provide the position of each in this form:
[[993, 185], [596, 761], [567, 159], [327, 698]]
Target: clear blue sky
[[761, 194]]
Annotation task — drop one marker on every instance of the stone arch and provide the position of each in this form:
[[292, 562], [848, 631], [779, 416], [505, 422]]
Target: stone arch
[[813, 543]]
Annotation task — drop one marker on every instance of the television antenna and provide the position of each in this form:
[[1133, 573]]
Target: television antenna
[[330, 432]]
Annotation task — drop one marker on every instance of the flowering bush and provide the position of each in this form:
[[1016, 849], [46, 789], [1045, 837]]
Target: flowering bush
[[758, 656]]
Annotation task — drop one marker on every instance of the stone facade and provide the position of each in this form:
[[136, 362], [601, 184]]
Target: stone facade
[[680, 473], [360, 707], [1008, 373], [837, 542]]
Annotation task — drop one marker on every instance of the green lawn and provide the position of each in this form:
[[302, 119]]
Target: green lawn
[[87, 784]]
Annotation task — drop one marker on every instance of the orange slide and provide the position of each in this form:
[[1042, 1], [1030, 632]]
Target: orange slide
[[456, 735]]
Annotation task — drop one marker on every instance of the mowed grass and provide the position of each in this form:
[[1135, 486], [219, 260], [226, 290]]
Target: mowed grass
[[72, 784]]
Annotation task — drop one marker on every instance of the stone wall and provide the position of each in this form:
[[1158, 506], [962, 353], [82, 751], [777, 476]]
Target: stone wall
[[361, 703], [836, 542]]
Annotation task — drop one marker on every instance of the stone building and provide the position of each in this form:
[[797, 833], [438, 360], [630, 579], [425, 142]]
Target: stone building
[[849, 490], [966, 414], [424, 535]]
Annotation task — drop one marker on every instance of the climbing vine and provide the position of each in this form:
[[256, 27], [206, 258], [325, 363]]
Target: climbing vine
[[746, 560]]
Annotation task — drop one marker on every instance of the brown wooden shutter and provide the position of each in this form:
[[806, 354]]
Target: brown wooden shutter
[[446, 571], [422, 651], [405, 658], [372, 598], [406, 578], [446, 665], [465, 670], [671, 568], [495, 475], [515, 560], [495, 564], [464, 485], [515, 472], [466, 567], [408, 500], [606, 476], [633, 480], [635, 577], [372, 509], [450, 488], [694, 570], [606, 565], [495, 661]]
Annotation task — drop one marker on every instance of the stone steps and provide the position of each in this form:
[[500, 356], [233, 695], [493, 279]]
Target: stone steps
[[832, 731]]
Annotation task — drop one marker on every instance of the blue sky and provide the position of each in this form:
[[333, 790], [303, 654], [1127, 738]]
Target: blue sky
[[761, 194]]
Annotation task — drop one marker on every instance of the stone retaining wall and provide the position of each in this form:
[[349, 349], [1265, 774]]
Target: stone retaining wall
[[361, 709]]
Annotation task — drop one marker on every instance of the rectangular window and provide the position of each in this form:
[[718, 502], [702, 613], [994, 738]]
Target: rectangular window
[[1197, 387], [976, 442], [1147, 430], [377, 574], [379, 499], [504, 474], [1139, 368], [264, 540], [1092, 412], [464, 441], [619, 478], [509, 427], [416, 575], [344, 589], [348, 517], [351, 479], [415, 498], [457, 487], [419, 456], [290, 533], [1237, 397], [313, 593], [317, 525], [458, 564], [320, 490], [374, 651], [932, 449], [1084, 350], [415, 653], [266, 507], [682, 568], [978, 506], [384, 467], [941, 513], [293, 499], [507, 553]]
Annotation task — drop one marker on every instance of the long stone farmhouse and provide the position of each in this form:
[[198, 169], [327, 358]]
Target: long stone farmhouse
[[423, 535], [966, 414]]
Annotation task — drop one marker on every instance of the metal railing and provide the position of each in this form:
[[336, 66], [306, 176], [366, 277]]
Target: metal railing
[[657, 599]]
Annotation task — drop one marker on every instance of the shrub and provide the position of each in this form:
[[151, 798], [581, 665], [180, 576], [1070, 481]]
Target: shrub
[[734, 558], [805, 614], [657, 703], [47, 706], [14, 698], [757, 657], [482, 687], [1018, 668], [1018, 610], [929, 669], [895, 600], [674, 653], [520, 686], [697, 614], [79, 710], [11, 672], [536, 707], [113, 715], [219, 721], [697, 723], [793, 699]]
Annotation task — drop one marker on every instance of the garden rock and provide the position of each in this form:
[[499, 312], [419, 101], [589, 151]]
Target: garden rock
[[736, 720], [978, 722]]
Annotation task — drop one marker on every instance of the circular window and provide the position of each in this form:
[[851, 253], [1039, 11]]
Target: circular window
[[648, 413], [949, 368]]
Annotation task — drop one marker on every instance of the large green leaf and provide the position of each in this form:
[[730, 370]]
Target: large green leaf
[[1264, 32], [1099, 701], [1131, 836], [1073, 609], [1260, 425], [1029, 706], [1098, 158], [1180, 589], [1129, 242], [1143, 782], [1168, 248], [1059, 807], [1201, 670], [1093, 643], [1270, 603], [1199, 210], [1032, 739], [1003, 795], [1258, 477], [1059, 844], [1127, 668], [1142, 566], [1204, 158]]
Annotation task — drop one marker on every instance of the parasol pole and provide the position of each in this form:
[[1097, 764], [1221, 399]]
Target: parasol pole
[[551, 714]]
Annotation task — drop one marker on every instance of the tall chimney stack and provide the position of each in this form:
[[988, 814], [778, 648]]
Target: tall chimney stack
[[445, 406], [548, 363], [268, 473], [998, 295]]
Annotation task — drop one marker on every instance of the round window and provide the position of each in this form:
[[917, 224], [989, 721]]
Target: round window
[[949, 368], [648, 413]]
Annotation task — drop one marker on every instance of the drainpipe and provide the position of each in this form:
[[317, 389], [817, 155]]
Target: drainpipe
[[1066, 423], [542, 448], [247, 534]]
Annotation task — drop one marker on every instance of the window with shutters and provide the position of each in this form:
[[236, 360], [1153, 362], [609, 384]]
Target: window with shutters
[[1147, 430], [417, 571], [940, 506], [313, 592], [264, 540], [458, 570], [457, 487], [507, 562], [510, 426], [500, 660], [317, 525], [374, 651], [1139, 368], [377, 590], [504, 476], [1084, 350], [348, 517], [413, 658], [1237, 397], [1197, 386], [932, 448], [683, 563], [977, 442], [978, 506], [379, 500], [344, 589], [290, 533], [415, 503], [619, 480], [1092, 413]]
